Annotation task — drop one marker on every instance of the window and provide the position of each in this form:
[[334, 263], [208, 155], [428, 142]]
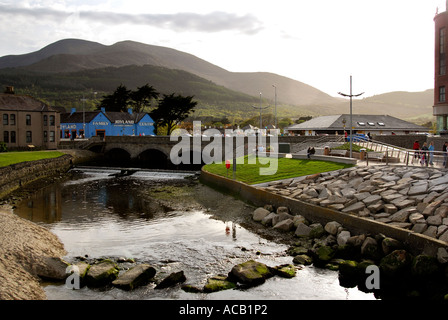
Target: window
[[6, 136], [361, 123], [52, 136], [29, 137], [45, 136], [28, 119], [12, 119], [45, 120], [13, 137], [371, 124], [51, 120], [381, 124], [442, 94], [5, 119]]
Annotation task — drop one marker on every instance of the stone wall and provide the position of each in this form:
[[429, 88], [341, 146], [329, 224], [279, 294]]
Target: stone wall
[[20, 174]]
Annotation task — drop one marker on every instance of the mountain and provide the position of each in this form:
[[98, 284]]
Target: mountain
[[70, 58]]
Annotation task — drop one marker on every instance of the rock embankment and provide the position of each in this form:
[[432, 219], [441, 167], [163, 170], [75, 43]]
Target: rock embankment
[[411, 198], [354, 256]]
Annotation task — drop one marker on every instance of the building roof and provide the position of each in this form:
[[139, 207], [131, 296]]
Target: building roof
[[359, 121], [78, 117], [13, 102]]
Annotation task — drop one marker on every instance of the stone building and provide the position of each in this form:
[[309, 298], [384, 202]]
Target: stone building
[[27, 122]]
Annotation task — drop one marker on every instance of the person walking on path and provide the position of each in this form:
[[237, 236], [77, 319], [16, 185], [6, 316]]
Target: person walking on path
[[431, 153], [424, 155], [416, 148]]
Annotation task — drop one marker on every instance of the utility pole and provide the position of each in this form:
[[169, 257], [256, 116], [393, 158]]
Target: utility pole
[[351, 117], [261, 119], [275, 102]]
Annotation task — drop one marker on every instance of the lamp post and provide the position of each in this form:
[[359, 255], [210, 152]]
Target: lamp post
[[275, 103], [351, 117], [261, 119]]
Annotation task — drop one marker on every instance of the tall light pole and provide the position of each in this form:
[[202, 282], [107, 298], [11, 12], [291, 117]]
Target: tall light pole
[[261, 119], [275, 102], [351, 117]]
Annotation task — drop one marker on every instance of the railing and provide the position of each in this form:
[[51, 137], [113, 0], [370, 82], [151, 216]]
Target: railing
[[406, 156]]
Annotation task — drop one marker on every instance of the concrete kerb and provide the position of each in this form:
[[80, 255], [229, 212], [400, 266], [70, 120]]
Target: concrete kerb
[[417, 243]]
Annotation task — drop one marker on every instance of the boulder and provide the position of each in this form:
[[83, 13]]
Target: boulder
[[218, 283], [343, 236], [282, 210], [302, 230], [51, 268], [250, 273], [332, 227], [389, 245], [302, 259], [370, 249], [285, 270], [171, 280], [267, 221], [280, 217], [285, 225], [395, 263], [134, 277], [259, 214], [102, 273], [317, 230], [424, 266]]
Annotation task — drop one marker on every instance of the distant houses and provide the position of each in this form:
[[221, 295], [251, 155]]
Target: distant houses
[[361, 124], [80, 124]]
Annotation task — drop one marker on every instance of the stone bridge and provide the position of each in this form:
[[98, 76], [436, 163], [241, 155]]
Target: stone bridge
[[164, 151]]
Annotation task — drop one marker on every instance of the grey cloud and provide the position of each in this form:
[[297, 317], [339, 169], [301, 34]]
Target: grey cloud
[[184, 21]]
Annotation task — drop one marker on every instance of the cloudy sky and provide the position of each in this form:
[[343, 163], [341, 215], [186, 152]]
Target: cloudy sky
[[386, 45]]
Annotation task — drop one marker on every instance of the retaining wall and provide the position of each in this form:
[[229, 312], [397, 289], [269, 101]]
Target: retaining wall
[[417, 243], [20, 174]]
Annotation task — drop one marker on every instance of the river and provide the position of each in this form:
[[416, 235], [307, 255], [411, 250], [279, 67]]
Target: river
[[174, 223]]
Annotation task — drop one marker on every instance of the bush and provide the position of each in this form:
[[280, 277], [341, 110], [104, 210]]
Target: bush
[[3, 147]]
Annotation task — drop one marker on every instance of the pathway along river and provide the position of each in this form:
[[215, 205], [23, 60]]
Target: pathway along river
[[173, 222]]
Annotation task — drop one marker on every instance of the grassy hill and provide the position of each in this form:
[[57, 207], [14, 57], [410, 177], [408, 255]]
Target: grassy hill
[[64, 71]]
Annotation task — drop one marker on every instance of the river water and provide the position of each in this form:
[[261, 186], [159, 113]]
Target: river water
[[174, 223]]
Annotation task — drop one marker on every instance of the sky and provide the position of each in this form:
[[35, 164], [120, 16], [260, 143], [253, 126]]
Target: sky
[[385, 45]]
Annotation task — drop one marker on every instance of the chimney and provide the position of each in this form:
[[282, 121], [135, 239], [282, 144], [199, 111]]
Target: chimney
[[10, 89]]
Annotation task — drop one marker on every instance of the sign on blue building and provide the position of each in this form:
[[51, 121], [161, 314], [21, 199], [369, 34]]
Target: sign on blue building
[[100, 123]]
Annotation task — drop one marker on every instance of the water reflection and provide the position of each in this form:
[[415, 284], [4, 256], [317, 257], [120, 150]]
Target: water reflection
[[99, 215]]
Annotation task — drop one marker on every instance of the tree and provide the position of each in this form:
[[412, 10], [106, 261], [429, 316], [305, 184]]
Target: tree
[[171, 110], [117, 101], [142, 97]]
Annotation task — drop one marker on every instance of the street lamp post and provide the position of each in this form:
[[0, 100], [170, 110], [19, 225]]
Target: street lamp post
[[275, 103], [351, 117], [261, 119]]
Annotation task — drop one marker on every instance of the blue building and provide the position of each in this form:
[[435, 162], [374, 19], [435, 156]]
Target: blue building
[[101, 123]]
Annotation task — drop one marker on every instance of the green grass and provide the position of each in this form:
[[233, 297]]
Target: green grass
[[286, 168], [355, 147], [8, 158]]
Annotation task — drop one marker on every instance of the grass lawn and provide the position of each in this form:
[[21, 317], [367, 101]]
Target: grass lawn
[[8, 158], [355, 147], [287, 168]]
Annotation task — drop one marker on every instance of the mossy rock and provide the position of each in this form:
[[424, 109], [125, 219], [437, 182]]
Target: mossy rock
[[395, 263], [250, 273], [294, 251], [171, 280], [325, 253], [302, 259], [190, 288], [218, 283], [285, 270], [424, 266], [134, 277], [317, 231], [102, 273]]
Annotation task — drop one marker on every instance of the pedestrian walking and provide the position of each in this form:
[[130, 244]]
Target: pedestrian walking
[[424, 154], [445, 153], [431, 153], [416, 148]]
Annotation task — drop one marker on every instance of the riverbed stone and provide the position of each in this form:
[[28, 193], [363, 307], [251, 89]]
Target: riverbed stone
[[102, 273], [395, 262], [354, 208], [267, 221], [134, 277], [259, 214], [342, 237], [284, 225], [332, 227], [302, 230], [218, 283], [171, 280], [250, 273]]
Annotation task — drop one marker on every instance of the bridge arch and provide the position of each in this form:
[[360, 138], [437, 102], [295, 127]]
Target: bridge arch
[[117, 157], [153, 159]]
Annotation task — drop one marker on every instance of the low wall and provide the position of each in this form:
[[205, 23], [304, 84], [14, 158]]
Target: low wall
[[20, 174], [416, 242]]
